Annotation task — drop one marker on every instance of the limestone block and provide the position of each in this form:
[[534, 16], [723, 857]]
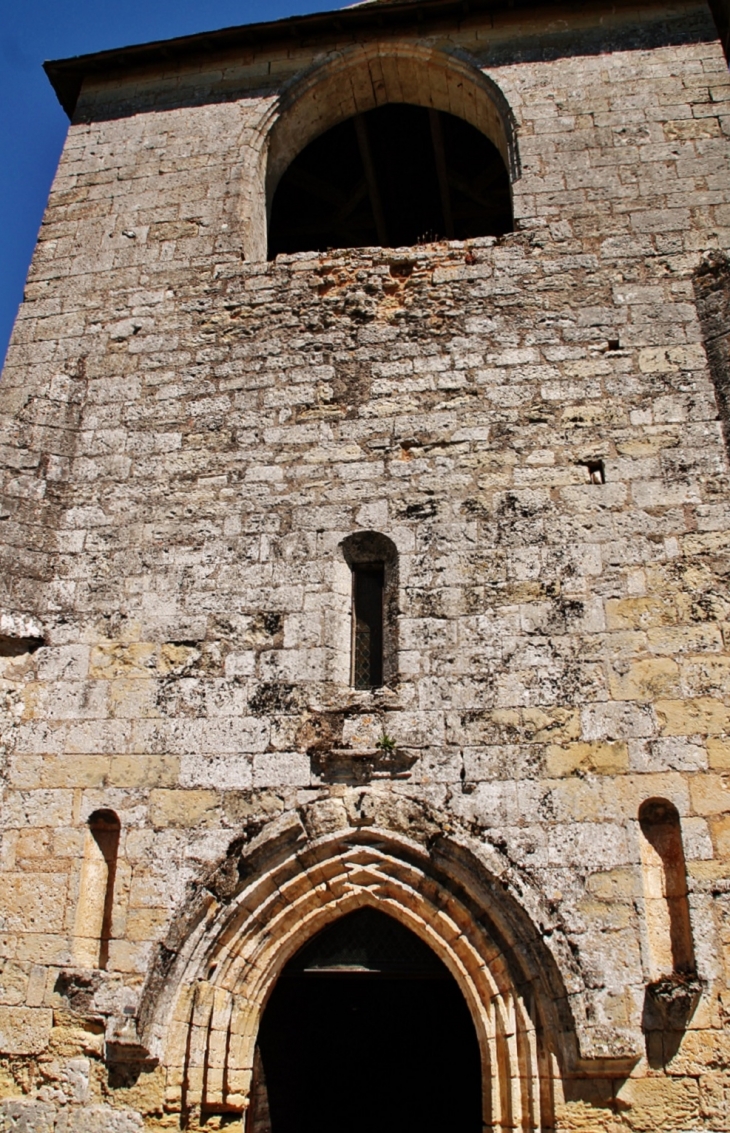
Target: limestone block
[[145, 925], [14, 979], [42, 948], [191, 808], [36, 986], [700, 715], [36, 809], [112, 661], [285, 768], [22, 1116], [644, 680], [710, 794], [661, 1103], [599, 757], [63, 771], [673, 753], [25, 1030], [32, 902], [67, 662], [718, 753], [615, 885], [98, 1119], [598, 845], [217, 771], [617, 721], [144, 771]]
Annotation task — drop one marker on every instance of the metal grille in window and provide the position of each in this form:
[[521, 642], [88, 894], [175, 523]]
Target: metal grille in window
[[367, 666]]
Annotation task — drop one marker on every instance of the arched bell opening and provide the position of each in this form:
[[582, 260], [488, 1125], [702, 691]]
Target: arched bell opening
[[427, 85], [368, 1007], [397, 175]]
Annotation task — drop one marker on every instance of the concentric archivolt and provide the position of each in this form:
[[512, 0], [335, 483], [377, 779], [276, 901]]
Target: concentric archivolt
[[204, 1026]]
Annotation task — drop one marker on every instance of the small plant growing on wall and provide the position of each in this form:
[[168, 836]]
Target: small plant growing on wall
[[386, 743]]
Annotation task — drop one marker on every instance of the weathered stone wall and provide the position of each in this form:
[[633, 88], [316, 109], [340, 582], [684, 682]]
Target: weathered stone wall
[[712, 289], [187, 438]]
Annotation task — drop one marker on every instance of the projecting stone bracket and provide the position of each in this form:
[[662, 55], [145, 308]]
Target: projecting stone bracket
[[348, 765], [122, 1037], [669, 1004], [125, 1055]]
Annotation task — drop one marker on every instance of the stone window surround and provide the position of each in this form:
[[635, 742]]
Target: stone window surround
[[359, 548], [352, 82]]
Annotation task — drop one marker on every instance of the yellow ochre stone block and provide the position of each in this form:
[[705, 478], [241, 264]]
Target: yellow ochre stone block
[[639, 613], [660, 1103], [601, 757], [718, 753], [615, 884], [144, 770], [114, 660], [644, 680], [710, 794], [699, 715], [192, 808], [720, 834], [24, 1030]]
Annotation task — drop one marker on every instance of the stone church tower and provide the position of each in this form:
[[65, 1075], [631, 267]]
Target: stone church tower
[[364, 594]]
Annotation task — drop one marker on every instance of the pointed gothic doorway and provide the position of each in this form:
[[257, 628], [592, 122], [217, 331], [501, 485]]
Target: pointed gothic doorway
[[366, 1029]]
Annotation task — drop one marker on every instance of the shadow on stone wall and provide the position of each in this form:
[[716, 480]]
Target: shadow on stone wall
[[712, 295]]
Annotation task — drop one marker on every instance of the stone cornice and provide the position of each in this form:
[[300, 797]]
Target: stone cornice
[[408, 16]]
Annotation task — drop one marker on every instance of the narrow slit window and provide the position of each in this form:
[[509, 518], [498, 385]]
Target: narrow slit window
[[368, 582], [373, 611], [95, 907]]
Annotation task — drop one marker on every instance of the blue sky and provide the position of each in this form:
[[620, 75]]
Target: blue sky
[[32, 124]]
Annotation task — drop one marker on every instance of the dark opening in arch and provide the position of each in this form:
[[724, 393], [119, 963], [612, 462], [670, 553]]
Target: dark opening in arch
[[397, 175], [366, 1029]]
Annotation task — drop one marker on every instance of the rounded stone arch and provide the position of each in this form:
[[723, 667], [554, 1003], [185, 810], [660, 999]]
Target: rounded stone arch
[[363, 78], [203, 1004]]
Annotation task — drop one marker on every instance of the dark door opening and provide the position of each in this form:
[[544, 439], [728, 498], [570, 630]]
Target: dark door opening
[[398, 175], [367, 1030]]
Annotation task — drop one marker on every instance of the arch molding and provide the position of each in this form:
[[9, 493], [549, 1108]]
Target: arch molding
[[359, 79], [202, 1020]]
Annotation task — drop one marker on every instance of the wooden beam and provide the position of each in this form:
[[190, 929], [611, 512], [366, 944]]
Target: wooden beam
[[366, 157], [358, 194], [490, 176], [317, 187], [312, 231], [437, 137], [467, 188]]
